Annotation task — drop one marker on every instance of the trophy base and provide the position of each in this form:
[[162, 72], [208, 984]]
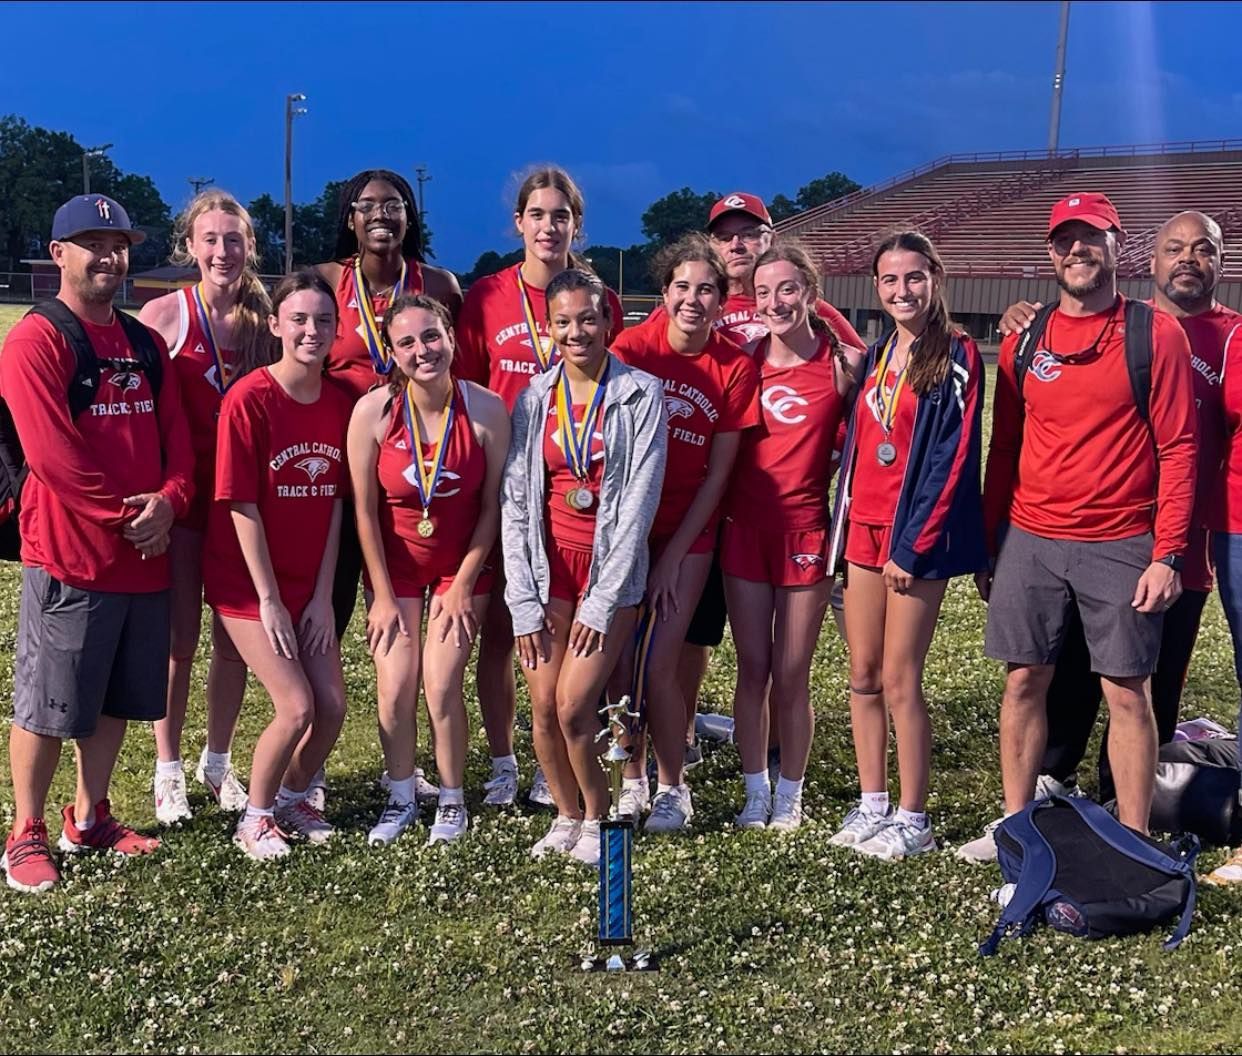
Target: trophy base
[[639, 961]]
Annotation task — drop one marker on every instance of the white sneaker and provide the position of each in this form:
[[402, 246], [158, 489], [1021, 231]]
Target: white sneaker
[[261, 839], [560, 837], [394, 819], [222, 785], [540, 794], [635, 799], [898, 839], [451, 822], [755, 811], [317, 791], [786, 812], [859, 826], [586, 850], [671, 811], [983, 849], [425, 792], [171, 802], [502, 788], [1047, 786], [302, 818]]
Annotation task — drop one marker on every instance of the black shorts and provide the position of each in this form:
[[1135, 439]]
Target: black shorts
[[86, 653], [708, 623]]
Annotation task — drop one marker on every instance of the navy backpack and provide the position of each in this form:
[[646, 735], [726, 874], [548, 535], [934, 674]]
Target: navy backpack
[[1078, 869]]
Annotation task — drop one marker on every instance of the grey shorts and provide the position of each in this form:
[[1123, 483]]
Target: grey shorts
[[86, 653], [1038, 579]]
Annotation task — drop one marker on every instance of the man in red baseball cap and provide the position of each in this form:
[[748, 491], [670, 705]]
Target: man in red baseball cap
[[1087, 500]]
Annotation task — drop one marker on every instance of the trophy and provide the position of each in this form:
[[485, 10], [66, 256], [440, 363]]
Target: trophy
[[616, 850]]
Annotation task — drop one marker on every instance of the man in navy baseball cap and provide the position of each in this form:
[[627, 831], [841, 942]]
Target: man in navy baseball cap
[[93, 212]]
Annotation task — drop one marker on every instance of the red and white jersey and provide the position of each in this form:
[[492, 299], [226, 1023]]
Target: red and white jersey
[[714, 391], [569, 528], [289, 459], [876, 488], [742, 324], [494, 346], [783, 469], [201, 385], [349, 360], [455, 503]]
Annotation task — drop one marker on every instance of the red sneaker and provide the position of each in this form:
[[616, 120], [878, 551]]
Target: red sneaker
[[107, 834], [28, 859]]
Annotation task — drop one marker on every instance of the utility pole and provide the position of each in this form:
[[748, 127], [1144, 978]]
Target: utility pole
[[421, 175], [87, 154], [1058, 81], [199, 182], [292, 110]]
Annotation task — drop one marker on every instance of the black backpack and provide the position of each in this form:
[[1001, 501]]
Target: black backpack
[[83, 387], [1196, 790], [1138, 322], [1078, 869]]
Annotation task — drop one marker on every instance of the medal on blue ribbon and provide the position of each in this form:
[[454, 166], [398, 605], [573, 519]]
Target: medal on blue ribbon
[[381, 361], [576, 437], [544, 352], [886, 403], [223, 381], [428, 478]]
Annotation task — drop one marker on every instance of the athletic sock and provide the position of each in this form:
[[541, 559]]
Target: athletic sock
[[503, 762], [217, 762], [638, 783], [908, 817], [82, 826], [875, 803], [786, 787], [163, 769], [286, 797], [757, 783], [402, 791], [254, 814], [661, 788], [449, 796]]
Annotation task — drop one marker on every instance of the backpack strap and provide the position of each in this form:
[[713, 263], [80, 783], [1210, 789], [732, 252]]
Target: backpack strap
[[84, 384], [1039, 869], [145, 350], [1129, 843], [1028, 343], [1140, 318]]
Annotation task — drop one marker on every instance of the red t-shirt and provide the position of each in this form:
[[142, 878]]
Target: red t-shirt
[[1226, 509], [455, 503], [875, 488], [568, 528], [126, 443], [200, 397], [1207, 334], [493, 345], [714, 391], [289, 459], [1074, 460], [742, 325], [349, 360], [784, 466]]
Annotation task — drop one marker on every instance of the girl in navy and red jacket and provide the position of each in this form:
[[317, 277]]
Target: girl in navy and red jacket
[[908, 516]]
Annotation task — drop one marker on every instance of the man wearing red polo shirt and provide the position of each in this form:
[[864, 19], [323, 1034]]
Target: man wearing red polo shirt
[[1097, 501], [103, 490]]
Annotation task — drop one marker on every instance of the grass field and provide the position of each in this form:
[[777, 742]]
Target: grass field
[[767, 944]]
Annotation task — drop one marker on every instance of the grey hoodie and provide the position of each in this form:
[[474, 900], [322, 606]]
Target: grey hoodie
[[635, 446]]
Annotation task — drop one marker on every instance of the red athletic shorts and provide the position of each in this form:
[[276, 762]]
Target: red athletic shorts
[[868, 545], [410, 579], [704, 543], [765, 555], [571, 571]]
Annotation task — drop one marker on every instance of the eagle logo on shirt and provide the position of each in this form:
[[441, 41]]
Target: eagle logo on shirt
[[125, 380], [1044, 366], [545, 343], [314, 467], [677, 408], [750, 331], [805, 561]]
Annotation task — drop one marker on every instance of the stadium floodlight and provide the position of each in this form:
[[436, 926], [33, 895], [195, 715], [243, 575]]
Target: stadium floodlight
[[1058, 81], [292, 110], [87, 154]]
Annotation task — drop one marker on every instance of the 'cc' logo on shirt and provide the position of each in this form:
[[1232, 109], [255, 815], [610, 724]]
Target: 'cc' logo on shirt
[[780, 400]]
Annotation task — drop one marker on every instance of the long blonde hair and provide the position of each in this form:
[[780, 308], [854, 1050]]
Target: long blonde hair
[[252, 342]]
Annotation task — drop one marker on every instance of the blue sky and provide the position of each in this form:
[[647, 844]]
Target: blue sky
[[634, 99]]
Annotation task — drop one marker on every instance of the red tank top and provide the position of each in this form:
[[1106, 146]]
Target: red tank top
[[784, 466], [349, 361], [569, 528], [456, 502], [200, 384], [875, 488]]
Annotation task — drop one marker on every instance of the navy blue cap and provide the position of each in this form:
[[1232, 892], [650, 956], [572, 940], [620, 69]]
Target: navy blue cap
[[93, 212]]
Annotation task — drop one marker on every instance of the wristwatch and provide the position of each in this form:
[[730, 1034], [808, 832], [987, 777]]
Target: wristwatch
[[1174, 561]]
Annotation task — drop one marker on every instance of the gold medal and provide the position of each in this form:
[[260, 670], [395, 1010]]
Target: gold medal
[[580, 499], [425, 527], [429, 472]]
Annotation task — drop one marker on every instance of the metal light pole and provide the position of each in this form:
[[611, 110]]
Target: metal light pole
[[87, 154], [1058, 80], [620, 273], [291, 111]]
